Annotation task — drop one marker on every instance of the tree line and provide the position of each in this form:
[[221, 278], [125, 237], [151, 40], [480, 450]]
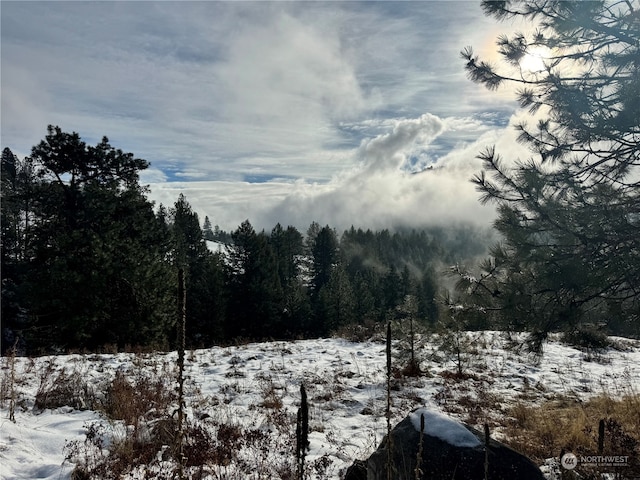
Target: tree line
[[88, 261]]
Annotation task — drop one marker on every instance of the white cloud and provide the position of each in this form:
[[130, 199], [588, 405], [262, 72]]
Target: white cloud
[[288, 63], [227, 204], [376, 193], [152, 175], [23, 110], [319, 103], [381, 194], [389, 151]]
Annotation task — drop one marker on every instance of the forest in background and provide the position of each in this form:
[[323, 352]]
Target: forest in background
[[88, 262]]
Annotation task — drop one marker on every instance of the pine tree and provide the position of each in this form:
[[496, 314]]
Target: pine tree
[[569, 214], [257, 300], [18, 181], [204, 274], [207, 231], [427, 293], [288, 248], [90, 258], [324, 257], [336, 302]]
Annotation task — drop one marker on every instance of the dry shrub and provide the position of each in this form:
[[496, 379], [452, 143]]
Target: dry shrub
[[412, 369], [132, 450], [143, 398], [368, 330], [143, 403], [271, 398], [63, 389], [228, 443], [459, 376], [138, 437], [163, 431], [200, 446], [96, 462], [565, 424], [6, 385], [588, 339], [8, 382]]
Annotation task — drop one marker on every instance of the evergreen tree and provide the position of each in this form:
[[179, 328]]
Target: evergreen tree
[[11, 208], [288, 248], [207, 231], [93, 273], [336, 302], [18, 182], [257, 301], [187, 234], [364, 284], [204, 276], [324, 257], [392, 289], [426, 297], [569, 214]]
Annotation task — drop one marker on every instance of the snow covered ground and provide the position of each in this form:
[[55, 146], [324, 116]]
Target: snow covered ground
[[256, 387]]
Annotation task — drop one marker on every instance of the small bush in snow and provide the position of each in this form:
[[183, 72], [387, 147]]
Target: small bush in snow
[[64, 389]]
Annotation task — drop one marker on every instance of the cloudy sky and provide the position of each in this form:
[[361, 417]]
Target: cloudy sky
[[268, 111]]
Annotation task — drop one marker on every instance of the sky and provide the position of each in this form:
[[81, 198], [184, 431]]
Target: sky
[[346, 113]]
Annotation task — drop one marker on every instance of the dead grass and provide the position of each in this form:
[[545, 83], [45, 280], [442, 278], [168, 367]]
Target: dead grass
[[63, 389], [144, 398], [141, 431], [142, 404], [8, 383], [565, 424], [271, 394], [138, 435]]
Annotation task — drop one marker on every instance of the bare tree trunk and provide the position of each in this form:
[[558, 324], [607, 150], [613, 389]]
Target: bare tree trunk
[[418, 471], [388, 409], [12, 379], [182, 320], [487, 438], [302, 432]]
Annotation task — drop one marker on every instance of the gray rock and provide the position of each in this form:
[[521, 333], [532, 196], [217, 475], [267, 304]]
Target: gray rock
[[357, 471], [448, 453]]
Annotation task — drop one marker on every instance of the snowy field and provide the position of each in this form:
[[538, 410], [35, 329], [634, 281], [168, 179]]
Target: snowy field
[[256, 387]]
